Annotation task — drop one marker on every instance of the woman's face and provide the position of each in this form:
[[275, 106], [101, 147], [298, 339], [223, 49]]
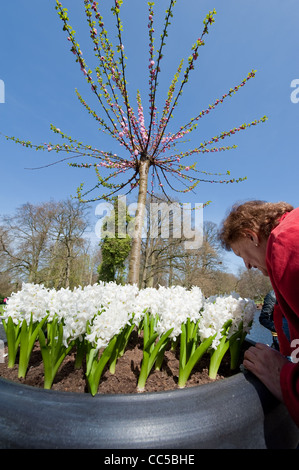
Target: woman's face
[[252, 250]]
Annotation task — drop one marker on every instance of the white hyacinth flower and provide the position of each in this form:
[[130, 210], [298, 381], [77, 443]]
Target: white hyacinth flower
[[219, 309], [108, 308]]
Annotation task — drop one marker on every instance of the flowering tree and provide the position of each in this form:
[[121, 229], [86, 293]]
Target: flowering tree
[[151, 149]]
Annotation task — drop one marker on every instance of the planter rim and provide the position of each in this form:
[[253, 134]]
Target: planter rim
[[178, 391]]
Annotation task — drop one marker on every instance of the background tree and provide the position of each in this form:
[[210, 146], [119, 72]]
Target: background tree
[[47, 243], [165, 258], [24, 239], [85, 265], [220, 282], [198, 267], [161, 243], [151, 148], [253, 284], [116, 244], [6, 286], [69, 224]]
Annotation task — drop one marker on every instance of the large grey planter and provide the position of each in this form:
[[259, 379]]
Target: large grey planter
[[234, 413]]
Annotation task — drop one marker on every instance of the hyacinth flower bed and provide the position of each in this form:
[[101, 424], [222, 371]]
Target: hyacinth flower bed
[[95, 325]]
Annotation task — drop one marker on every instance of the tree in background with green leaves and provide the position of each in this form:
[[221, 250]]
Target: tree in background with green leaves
[[116, 244]]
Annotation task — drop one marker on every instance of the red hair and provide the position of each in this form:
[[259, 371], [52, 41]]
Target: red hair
[[259, 216]]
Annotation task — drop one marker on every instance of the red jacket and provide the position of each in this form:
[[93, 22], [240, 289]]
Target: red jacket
[[283, 267]]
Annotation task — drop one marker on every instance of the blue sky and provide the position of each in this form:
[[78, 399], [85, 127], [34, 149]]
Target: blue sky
[[40, 77]]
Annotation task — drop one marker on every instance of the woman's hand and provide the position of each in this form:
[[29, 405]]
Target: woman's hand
[[266, 363]]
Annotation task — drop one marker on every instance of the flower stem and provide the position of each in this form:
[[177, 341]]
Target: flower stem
[[53, 350], [186, 370], [151, 350], [95, 365], [120, 346], [13, 336], [81, 351], [217, 357], [27, 339]]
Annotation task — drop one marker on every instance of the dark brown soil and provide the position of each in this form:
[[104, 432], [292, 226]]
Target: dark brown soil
[[126, 375]]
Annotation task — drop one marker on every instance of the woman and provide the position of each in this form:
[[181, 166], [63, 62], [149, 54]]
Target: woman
[[266, 236]]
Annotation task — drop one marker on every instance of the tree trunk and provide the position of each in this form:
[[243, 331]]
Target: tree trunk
[[135, 256], [151, 278], [68, 267]]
